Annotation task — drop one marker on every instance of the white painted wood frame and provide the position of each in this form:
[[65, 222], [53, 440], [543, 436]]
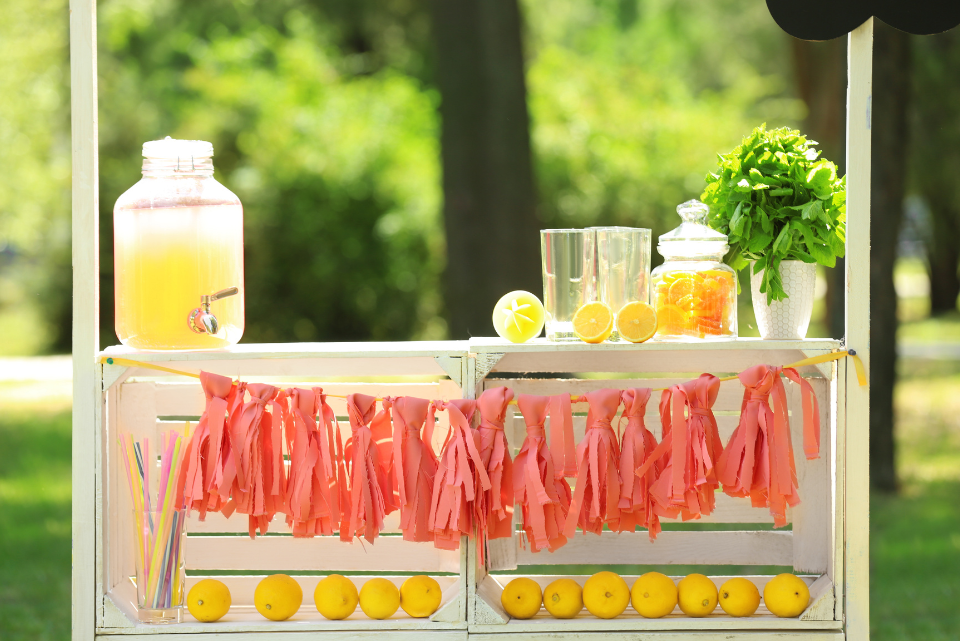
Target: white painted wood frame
[[848, 522], [857, 331]]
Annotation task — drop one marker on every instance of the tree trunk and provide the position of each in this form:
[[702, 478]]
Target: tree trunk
[[943, 249], [821, 75], [936, 126], [891, 87], [489, 195]]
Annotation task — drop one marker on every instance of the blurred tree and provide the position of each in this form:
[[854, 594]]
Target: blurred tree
[[330, 147], [821, 72], [935, 159], [489, 198], [34, 172], [632, 100], [891, 91]]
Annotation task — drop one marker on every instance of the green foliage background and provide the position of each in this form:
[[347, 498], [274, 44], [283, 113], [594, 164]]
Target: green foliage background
[[325, 123]]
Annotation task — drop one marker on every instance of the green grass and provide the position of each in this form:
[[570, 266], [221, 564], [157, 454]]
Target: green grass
[[34, 525]]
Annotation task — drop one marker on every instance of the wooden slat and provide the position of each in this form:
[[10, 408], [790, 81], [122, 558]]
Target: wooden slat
[[857, 331], [729, 397], [685, 358], [388, 554], [217, 523], [693, 548], [812, 519], [86, 507]]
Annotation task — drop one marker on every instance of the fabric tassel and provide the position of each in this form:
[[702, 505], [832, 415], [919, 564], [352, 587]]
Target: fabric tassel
[[256, 470], [596, 500], [313, 506], [416, 464], [539, 484], [758, 460], [461, 476], [637, 507], [370, 496], [688, 481], [205, 457], [494, 511]]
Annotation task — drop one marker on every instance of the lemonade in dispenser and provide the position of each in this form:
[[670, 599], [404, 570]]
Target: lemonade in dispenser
[[694, 292], [178, 253]]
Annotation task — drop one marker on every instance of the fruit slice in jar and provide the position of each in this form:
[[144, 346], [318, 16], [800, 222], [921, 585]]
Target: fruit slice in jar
[[681, 288], [636, 322], [670, 320]]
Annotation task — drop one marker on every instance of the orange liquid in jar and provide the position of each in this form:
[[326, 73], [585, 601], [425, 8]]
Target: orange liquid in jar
[[164, 260], [699, 304]]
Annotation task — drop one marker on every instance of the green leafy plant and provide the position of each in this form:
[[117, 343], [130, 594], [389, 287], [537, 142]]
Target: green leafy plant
[[777, 200]]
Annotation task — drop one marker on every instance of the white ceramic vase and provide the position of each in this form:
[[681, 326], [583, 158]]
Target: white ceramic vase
[[789, 318]]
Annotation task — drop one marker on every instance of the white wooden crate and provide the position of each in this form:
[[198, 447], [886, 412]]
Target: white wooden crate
[[142, 403], [812, 547]]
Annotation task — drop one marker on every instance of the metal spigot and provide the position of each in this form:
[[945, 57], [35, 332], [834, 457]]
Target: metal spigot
[[201, 320]]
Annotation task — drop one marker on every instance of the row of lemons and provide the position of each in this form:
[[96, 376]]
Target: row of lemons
[[654, 595], [278, 597]]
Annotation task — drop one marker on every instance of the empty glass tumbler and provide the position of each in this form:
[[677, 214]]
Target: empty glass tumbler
[[623, 267], [569, 277], [158, 552]]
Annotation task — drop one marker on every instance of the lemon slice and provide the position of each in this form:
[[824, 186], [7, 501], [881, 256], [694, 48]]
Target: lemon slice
[[593, 323], [636, 322]]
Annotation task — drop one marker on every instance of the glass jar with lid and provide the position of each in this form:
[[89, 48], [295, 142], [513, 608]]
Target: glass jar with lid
[[178, 253], [694, 292]]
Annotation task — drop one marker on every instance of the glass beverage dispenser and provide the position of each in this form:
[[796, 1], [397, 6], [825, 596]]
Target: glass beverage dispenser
[[178, 253]]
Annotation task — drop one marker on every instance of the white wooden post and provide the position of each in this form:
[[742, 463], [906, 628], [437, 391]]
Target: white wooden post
[[86, 321], [857, 334]]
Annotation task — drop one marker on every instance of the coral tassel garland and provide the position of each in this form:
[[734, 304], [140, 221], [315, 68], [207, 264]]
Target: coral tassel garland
[[539, 486], [204, 458], [460, 477], [596, 499], [495, 506], [369, 500], [416, 465], [637, 507], [255, 472], [313, 506], [758, 460], [688, 481]]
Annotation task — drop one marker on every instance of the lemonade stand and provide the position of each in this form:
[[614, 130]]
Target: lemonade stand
[[134, 392]]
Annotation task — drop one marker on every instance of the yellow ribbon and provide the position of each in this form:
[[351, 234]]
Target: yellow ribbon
[[813, 360]]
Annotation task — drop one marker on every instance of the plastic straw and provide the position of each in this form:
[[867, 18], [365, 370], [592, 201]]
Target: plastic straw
[[158, 541]]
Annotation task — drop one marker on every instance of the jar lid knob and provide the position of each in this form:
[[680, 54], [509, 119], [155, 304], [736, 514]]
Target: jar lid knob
[[693, 211]]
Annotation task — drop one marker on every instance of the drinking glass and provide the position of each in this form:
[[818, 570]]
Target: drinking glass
[[569, 277], [158, 550], [623, 267]]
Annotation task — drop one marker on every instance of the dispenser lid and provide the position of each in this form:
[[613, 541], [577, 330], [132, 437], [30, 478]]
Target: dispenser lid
[[693, 237], [173, 148]]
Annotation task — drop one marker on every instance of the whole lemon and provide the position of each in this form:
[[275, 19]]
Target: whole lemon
[[518, 316], [521, 598], [379, 598], [606, 595], [563, 598], [654, 595], [697, 595], [208, 600], [336, 597], [739, 597], [278, 597], [786, 595], [420, 596]]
